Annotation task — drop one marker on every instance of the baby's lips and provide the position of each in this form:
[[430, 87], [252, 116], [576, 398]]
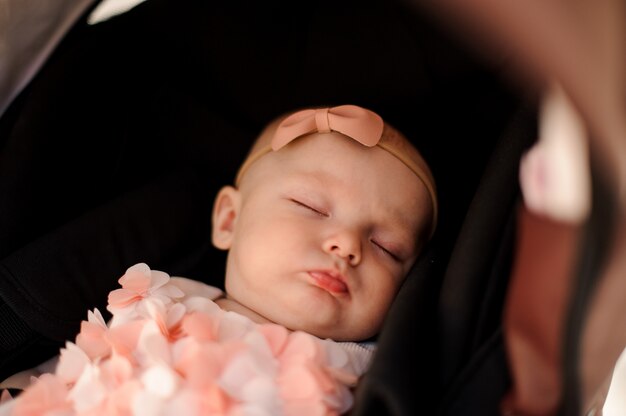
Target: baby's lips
[[331, 281]]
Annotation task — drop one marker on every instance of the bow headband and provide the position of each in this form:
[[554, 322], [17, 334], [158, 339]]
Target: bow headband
[[357, 123]]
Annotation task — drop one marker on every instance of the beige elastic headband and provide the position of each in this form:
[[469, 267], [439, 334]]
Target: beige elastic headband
[[360, 124]]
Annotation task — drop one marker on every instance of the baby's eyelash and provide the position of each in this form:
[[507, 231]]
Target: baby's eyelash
[[310, 208], [386, 251]]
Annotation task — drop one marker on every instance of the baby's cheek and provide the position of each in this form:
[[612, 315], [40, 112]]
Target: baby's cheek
[[380, 294]]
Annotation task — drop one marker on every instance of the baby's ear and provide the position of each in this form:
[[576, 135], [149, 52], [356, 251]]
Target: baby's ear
[[225, 211]]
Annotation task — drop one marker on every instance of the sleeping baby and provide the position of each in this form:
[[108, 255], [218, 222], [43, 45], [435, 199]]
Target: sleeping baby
[[329, 212]]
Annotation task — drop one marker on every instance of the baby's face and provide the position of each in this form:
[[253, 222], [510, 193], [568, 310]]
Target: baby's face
[[321, 235]]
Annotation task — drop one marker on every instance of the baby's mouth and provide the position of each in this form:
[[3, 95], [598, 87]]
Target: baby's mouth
[[330, 280]]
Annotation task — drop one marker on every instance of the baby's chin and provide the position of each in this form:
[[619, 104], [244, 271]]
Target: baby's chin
[[308, 315]]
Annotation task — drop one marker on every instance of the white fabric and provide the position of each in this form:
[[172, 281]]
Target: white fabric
[[110, 8], [615, 404]]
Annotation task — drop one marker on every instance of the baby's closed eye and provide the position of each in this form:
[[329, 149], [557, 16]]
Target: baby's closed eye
[[386, 250], [310, 206]]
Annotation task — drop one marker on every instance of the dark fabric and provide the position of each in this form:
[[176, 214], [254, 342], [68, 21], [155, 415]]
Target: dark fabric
[[113, 153], [476, 278], [479, 388], [400, 379], [49, 284], [49, 281]]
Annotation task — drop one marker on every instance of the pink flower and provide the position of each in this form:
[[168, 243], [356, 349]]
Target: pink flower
[[308, 377], [139, 283], [105, 388], [93, 336], [210, 400], [201, 363], [276, 337], [72, 362], [123, 338], [98, 341], [200, 326], [168, 319], [307, 390], [153, 347], [300, 348]]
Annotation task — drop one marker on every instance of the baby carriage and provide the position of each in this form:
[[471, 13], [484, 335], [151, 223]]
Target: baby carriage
[[114, 149]]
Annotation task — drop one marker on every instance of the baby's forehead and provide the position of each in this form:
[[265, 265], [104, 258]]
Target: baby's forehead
[[336, 152]]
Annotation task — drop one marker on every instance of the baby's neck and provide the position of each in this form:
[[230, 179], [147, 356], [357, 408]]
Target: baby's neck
[[229, 304]]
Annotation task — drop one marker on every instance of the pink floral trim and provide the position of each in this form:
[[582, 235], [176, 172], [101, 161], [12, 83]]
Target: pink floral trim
[[164, 353]]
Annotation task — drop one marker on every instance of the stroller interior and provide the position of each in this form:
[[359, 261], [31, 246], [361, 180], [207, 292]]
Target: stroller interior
[[120, 124]]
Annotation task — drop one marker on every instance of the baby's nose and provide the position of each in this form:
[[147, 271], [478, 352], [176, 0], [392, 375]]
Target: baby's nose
[[345, 245]]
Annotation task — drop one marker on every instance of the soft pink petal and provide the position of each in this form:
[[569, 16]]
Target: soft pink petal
[[323, 379], [173, 321], [96, 318], [72, 362], [141, 268], [297, 383], [158, 286], [200, 326], [137, 281], [203, 305], [92, 337], [169, 291], [116, 371], [89, 391], [240, 371], [146, 404], [233, 326], [301, 347], [153, 309], [340, 400], [158, 279], [263, 392], [343, 376], [167, 317], [175, 315], [276, 336], [211, 400], [153, 347], [160, 380], [120, 403], [47, 394], [200, 364], [120, 298], [123, 338]]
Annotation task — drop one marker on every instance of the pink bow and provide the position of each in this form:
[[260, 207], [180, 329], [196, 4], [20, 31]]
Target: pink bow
[[364, 126]]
